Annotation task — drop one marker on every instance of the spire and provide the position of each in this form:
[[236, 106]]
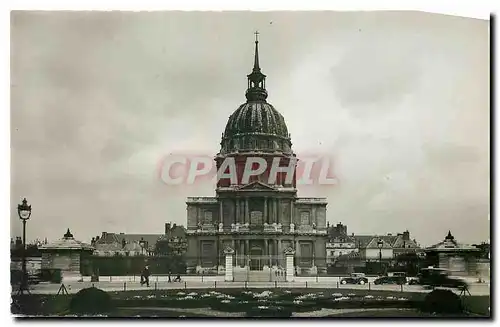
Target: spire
[[256, 90], [256, 67]]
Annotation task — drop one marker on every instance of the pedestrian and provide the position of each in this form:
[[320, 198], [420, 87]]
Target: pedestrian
[[146, 274], [169, 278], [178, 278]]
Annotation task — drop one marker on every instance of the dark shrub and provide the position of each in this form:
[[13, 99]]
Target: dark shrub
[[274, 311], [442, 302], [91, 301]]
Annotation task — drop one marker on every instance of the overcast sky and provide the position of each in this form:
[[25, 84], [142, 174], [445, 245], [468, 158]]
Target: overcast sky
[[399, 100]]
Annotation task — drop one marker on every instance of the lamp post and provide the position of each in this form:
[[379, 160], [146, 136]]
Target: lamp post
[[24, 212], [380, 244]]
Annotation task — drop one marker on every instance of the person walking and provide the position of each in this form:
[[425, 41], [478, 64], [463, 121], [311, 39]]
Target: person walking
[[169, 278], [146, 273], [178, 278]]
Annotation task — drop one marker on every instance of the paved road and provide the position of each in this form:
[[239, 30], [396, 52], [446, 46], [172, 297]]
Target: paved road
[[73, 287], [220, 278]]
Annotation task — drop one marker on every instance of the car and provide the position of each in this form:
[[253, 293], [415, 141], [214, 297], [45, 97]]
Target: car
[[437, 277], [355, 278], [398, 280]]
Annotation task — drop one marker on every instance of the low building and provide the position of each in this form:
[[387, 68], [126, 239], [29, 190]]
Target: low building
[[121, 244], [65, 254], [339, 243], [460, 259], [392, 245]]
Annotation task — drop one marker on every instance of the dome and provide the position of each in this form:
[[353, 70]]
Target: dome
[[256, 125]]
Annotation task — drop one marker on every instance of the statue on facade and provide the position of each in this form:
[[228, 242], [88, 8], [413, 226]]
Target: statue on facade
[[237, 226], [292, 227], [221, 227], [233, 227]]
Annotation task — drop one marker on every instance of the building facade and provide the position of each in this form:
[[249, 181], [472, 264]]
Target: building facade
[[258, 215]]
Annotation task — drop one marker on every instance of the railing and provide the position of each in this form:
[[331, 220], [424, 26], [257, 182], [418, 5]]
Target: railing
[[311, 200], [202, 199]]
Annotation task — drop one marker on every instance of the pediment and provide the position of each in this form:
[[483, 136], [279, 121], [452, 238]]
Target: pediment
[[257, 186]]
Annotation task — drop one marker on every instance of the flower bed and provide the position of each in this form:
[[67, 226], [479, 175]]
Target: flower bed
[[270, 303]]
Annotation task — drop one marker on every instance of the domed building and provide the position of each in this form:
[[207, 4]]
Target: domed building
[[256, 212]]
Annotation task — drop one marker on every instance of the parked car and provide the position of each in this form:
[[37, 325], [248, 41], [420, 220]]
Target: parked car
[[398, 280], [439, 277], [355, 278]]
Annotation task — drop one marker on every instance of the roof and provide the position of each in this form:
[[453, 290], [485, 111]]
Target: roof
[[256, 124], [391, 241], [373, 244], [449, 244], [67, 242], [343, 239], [175, 231], [111, 238]]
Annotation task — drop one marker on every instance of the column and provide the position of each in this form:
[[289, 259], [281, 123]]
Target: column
[[270, 252], [290, 266], [247, 250], [275, 211], [221, 216], [266, 215], [237, 215], [292, 209], [278, 214], [276, 252], [297, 252], [313, 253], [199, 253], [247, 215]]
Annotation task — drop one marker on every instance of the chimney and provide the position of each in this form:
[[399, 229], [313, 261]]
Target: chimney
[[167, 228], [123, 243], [406, 236]]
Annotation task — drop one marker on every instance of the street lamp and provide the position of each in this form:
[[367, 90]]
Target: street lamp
[[380, 244], [24, 212]]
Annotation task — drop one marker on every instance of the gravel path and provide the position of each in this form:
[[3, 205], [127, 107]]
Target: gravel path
[[201, 311], [332, 312]]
